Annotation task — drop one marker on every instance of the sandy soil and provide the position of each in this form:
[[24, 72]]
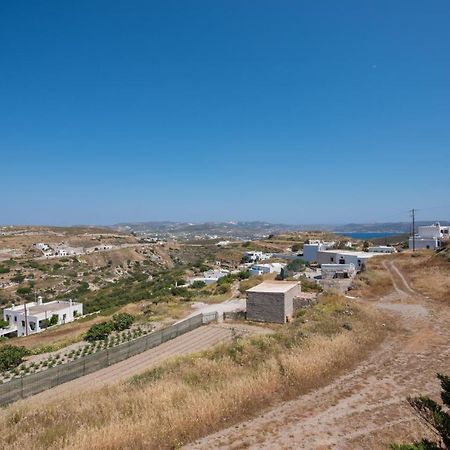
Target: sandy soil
[[365, 408]]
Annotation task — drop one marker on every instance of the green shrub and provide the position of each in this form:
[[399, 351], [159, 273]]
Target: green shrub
[[4, 323], [18, 278], [122, 321], [11, 356], [223, 288], [198, 284], [4, 269], [99, 332]]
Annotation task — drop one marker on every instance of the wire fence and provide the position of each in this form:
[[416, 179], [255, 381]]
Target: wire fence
[[34, 383]]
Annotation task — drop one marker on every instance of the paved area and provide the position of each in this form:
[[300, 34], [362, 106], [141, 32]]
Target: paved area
[[366, 408]]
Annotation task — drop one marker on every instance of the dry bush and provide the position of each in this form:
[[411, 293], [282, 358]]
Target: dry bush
[[374, 281], [192, 396]]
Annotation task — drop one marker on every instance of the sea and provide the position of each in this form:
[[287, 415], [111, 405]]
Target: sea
[[368, 235]]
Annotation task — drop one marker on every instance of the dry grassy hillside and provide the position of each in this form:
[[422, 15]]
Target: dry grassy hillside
[[193, 396], [428, 272]]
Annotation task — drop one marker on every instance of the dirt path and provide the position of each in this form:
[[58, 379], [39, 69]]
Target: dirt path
[[366, 408], [194, 341]]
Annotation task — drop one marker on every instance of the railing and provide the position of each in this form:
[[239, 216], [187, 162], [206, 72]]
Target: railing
[[34, 383]]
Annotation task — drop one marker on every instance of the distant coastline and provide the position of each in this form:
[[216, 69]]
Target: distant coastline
[[366, 235]]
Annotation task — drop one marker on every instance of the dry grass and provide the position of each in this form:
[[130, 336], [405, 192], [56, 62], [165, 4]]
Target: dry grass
[[427, 272], [193, 396], [375, 281]]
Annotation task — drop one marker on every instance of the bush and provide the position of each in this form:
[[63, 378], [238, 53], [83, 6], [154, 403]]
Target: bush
[[435, 416], [99, 332], [23, 291], [18, 278], [198, 284], [4, 323], [223, 288], [11, 356], [4, 269], [122, 321]]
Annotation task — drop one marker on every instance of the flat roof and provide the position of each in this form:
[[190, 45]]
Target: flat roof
[[39, 309], [350, 253], [274, 286]]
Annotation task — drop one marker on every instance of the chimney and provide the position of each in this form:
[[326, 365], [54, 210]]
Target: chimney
[[70, 302], [39, 302]]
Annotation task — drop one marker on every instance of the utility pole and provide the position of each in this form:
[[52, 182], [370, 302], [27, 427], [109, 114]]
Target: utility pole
[[413, 214], [26, 317]]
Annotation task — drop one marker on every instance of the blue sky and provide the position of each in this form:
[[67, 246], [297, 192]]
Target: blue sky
[[292, 111]]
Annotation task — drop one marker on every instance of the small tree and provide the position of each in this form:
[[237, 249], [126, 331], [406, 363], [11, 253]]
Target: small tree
[[365, 246], [11, 356], [53, 320], [99, 332], [198, 284], [122, 321], [434, 416]]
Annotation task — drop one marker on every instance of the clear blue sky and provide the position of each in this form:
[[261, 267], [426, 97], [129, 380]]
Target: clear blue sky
[[286, 111]]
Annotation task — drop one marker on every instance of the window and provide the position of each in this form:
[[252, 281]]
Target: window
[[23, 323], [332, 259], [32, 325], [15, 318], [64, 317]]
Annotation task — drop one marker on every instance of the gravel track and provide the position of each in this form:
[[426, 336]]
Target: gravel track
[[365, 408]]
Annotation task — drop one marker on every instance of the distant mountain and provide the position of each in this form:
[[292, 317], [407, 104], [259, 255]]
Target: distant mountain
[[385, 227], [206, 229], [254, 229]]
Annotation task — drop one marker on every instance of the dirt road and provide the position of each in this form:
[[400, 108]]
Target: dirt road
[[366, 408]]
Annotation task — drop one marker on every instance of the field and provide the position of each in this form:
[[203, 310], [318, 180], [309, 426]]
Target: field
[[192, 396]]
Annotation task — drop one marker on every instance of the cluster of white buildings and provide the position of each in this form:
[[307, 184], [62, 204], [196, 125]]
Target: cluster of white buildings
[[34, 317], [430, 236], [336, 263], [254, 256], [64, 250], [263, 269], [210, 276]]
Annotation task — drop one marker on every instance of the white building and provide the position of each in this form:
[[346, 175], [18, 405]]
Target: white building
[[42, 246], [262, 269], [310, 250], [382, 249], [430, 236], [331, 271], [210, 276], [358, 259], [33, 317], [254, 256]]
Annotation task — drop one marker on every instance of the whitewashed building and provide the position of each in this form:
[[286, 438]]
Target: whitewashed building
[[33, 317], [310, 250], [262, 269], [332, 271], [358, 259], [382, 249], [253, 256], [430, 237]]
